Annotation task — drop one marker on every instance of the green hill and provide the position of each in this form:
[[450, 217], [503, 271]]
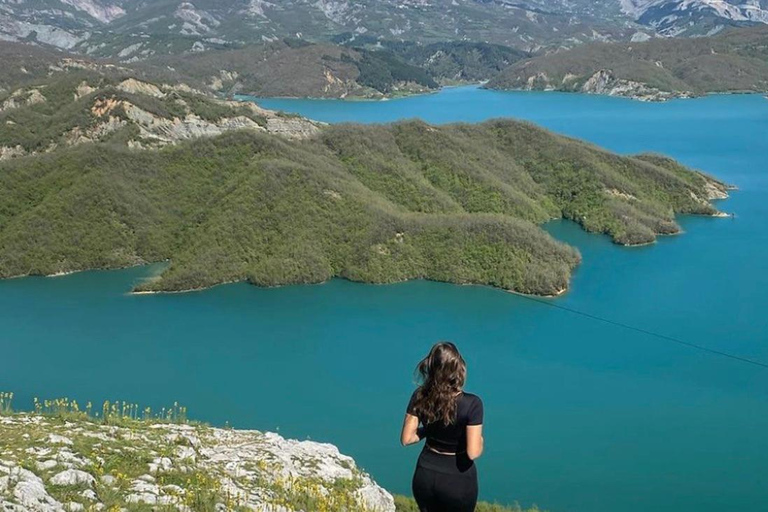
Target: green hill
[[447, 62], [358, 67], [735, 61], [294, 68], [378, 204], [285, 68]]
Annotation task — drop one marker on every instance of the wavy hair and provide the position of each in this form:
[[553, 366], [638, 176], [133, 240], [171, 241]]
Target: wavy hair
[[442, 375]]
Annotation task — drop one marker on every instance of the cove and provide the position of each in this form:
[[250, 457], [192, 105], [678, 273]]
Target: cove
[[580, 415]]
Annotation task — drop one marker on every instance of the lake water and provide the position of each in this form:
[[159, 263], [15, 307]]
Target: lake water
[[581, 416]]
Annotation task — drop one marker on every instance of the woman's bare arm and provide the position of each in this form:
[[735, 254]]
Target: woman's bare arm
[[410, 432], [475, 441]]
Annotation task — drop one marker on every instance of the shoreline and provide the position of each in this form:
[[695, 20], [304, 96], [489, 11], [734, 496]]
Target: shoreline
[[134, 292], [357, 99], [556, 295], [673, 95]]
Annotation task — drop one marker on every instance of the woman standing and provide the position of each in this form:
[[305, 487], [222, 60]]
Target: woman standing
[[452, 423]]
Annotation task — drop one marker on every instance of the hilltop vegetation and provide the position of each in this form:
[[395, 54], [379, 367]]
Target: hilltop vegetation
[[735, 61], [447, 62], [285, 68], [375, 204], [294, 68], [361, 67]]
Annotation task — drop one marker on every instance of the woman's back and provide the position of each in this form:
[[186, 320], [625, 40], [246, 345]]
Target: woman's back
[[451, 438]]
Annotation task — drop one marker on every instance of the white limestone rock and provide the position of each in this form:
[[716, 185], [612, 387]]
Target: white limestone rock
[[29, 492], [57, 439], [244, 466], [72, 477]]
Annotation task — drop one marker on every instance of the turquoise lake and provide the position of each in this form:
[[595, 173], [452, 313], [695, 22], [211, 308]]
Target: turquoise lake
[[581, 416]]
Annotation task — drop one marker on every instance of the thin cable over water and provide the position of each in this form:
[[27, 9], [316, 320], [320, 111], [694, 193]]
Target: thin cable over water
[[647, 332]]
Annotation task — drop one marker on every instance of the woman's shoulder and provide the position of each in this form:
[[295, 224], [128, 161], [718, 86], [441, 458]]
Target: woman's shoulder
[[472, 407], [471, 397]]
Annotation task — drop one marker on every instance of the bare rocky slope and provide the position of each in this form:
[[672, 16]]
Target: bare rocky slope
[[695, 17], [50, 101]]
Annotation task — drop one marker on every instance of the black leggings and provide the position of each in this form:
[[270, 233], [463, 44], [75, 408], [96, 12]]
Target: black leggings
[[445, 483]]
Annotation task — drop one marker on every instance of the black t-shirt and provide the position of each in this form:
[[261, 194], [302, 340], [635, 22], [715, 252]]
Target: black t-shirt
[[452, 438]]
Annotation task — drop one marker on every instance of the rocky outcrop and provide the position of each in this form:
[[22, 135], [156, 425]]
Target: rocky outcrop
[[605, 82], [162, 130], [716, 190], [8, 152], [50, 465], [21, 98], [133, 86], [154, 127], [292, 127], [83, 90], [170, 131], [101, 11]]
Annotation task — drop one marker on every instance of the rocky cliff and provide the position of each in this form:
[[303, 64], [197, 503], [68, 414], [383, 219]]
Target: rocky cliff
[[41, 118], [603, 81], [71, 463]]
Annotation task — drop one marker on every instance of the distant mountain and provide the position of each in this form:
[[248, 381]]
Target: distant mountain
[[734, 61], [137, 29], [695, 17]]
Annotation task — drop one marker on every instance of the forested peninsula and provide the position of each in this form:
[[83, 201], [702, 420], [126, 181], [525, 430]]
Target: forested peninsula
[[102, 169], [375, 204]]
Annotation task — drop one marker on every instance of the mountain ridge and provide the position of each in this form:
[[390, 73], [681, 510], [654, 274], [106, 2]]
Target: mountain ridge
[[120, 28]]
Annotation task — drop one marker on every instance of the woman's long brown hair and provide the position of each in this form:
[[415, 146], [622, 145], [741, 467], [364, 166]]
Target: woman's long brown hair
[[442, 374]]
